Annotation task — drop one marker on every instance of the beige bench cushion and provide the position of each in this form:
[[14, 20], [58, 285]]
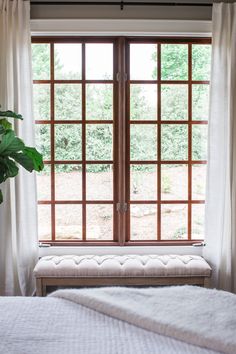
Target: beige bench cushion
[[122, 266]]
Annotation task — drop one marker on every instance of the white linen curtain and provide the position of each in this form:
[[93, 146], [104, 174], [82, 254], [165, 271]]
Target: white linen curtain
[[18, 225], [221, 181]]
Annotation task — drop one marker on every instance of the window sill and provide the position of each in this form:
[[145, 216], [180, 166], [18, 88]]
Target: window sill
[[100, 250]]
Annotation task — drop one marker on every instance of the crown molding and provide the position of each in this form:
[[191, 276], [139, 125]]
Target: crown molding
[[112, 27]]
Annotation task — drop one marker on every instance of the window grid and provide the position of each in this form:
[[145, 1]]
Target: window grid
[[117, 239], [84, 162], [159, 162]]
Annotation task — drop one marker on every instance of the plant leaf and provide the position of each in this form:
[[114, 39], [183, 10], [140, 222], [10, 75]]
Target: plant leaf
[[5, 124], [2, 130], [23, 160], [10, 143], [2, 170], [35, 156], [10, 114], [8, 169]]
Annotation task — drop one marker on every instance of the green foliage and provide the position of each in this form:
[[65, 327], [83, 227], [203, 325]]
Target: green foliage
[[143, 142], [41, 61], [174, 62], [13, 150], [201, 62], [140, 107], [174, 102], [174, 144], [99, 103]]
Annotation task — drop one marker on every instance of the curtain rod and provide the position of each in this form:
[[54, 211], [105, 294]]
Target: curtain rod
[[118, 3]]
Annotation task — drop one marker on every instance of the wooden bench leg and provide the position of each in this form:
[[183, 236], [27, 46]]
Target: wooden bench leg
[[206, 282], [40, 287]]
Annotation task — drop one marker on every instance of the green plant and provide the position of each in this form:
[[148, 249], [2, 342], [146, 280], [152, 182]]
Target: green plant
[[13, 151]]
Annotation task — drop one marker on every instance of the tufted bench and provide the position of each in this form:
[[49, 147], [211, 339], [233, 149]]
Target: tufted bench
[[133, 270]]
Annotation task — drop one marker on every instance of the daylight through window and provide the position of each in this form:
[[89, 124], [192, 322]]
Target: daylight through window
[[122, 126]]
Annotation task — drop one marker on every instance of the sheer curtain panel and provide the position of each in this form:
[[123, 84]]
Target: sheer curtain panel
[[221, 182], [18, 225]]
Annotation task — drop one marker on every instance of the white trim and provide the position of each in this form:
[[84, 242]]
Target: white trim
[[101, 250], [57, 27]]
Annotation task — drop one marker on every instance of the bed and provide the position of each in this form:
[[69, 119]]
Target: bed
[[172, 320]]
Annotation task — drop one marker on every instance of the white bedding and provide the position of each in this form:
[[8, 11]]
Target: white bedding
[[192, 314], [55, 325]]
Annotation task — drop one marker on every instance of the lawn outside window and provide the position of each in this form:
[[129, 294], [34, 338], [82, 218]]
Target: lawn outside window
[[122, 125]]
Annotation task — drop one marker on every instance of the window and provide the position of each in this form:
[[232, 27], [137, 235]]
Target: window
[[122, 125]]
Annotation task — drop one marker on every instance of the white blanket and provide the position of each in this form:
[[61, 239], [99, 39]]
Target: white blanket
[[50, 325], [203, 317]]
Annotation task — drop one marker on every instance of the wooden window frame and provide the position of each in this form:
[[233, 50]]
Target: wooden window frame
[[121, 150]]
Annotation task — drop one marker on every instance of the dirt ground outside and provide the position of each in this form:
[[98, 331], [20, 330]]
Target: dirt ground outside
[[174, 217]]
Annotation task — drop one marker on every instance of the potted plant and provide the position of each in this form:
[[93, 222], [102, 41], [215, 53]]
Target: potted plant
[[13, 151]]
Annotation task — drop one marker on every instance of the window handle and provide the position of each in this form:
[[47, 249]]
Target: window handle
[[199, 244]]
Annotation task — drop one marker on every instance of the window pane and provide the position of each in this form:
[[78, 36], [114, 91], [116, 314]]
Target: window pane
[[174, 182], [143, 182], [198, 214], [99, 182], [174, 102], [201, 61], [198, 182], [68, 182], [41, 61], [43, 137], [99, 222], [174, 143], [68, 221], [44, 222], [99, 101], [143, 222], [41, 97], [174, 222], [68, 102], [99, 61], [44, 183], [174, 62], [143, 142], [199, 142], [200, 94], [68, 142], [68, 61], [143, 61], [99, 142], [143, 102]]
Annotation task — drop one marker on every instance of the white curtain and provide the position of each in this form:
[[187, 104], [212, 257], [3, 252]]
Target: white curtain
[[18, 225], [221, 181]]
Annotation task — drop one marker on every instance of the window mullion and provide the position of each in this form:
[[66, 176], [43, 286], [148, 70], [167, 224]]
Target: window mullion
[[189, 141], [52, 127], [84, 226], [121, 148]]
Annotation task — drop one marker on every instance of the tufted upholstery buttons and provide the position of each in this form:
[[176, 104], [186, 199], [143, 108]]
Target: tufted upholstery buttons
[[122, 266]]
